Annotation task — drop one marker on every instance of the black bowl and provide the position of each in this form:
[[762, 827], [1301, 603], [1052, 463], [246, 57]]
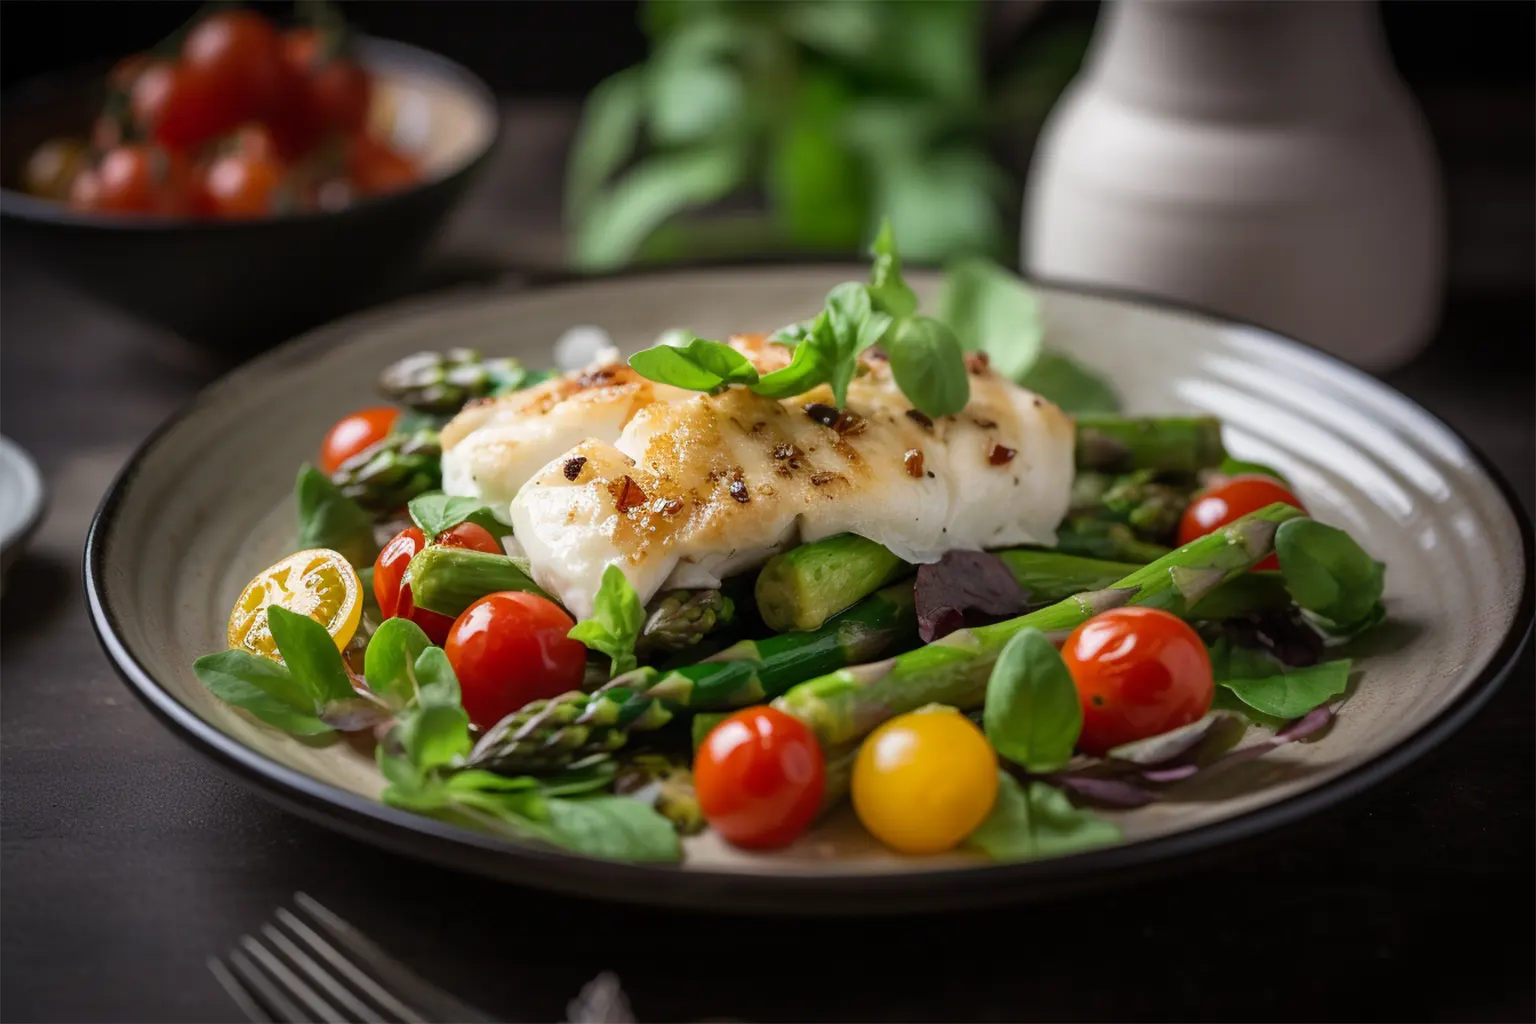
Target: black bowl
[[242, 285]]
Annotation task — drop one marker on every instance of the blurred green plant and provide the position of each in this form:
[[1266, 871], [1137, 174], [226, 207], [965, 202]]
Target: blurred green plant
[[795, 126]]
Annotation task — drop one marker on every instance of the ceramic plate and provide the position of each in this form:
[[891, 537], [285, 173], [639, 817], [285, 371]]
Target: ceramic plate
[[21, 500], [206, 504]]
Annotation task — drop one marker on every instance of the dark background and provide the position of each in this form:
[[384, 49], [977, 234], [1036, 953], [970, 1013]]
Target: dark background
[[563, 48]]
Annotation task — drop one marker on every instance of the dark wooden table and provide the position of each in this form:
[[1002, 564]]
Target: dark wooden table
[[127, 859]]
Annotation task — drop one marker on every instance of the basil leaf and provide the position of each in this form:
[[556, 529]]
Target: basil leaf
[[615, 827], [330, 519], [1237, 467], [435, 512], [888, 290], [806, 369], [434, 736], [929, 366], [1267, 686], [575, 781], [851, 326], [355, 714], [1328, 574], [1032, 714], [609, 129], [617, 617], [310, 654], [390, 659], [700, 365], [1037, 820], [474, 778], [1070, 384], [262, 687], [794, 334], [436, 683], [992, 311]]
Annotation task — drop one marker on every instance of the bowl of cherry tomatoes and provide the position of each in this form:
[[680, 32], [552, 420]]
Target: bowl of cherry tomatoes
[[243, 180]]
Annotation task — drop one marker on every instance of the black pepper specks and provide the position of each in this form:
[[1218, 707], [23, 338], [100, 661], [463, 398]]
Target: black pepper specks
[[572, 468]]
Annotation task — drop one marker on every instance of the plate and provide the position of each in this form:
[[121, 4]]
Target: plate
[[206, 503], [21, 500]]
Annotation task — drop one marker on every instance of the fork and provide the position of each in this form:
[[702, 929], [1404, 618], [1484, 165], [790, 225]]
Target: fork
[[293, 971]]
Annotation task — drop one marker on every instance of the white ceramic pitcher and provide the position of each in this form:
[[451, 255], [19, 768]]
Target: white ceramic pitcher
[[1256, 158]]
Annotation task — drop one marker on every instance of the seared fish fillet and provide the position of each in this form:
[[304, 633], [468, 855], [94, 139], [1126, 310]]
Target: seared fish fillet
[[683, 489]]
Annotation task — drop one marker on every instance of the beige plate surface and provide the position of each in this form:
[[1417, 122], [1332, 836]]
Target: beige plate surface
[[207, 503]]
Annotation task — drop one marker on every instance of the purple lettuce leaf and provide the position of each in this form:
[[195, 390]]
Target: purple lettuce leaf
[[963, 589]]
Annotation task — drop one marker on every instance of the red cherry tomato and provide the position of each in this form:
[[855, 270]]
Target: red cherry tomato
[[238, 186], [393, 593], [374, 168], [1139, 672], [175, 107], [236, 59], [1210, 510], [472, 536], [510, 648], [353, 433], [759, 776], [136, 178]]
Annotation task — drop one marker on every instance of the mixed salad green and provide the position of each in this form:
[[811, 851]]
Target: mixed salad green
[[993, 700]]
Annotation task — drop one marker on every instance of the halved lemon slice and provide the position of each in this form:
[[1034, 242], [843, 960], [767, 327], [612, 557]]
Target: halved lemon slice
[[318, 583]]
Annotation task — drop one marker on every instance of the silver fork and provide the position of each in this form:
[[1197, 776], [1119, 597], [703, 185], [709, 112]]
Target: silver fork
[[293, 971]]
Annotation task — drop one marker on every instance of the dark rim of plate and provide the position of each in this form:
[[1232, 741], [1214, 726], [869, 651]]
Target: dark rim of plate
[[14, 203], [772, 893]]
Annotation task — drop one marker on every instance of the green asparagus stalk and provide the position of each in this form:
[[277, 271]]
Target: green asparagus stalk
[[440, 383], [547, 734], [807, 585], [667, 784], [1150, 507], [676, 620], [1182, 444], [842, 707], [1092, 536], [384, 476], [448, 580]]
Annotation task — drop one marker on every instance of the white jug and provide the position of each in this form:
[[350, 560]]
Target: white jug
[[1255, 158]]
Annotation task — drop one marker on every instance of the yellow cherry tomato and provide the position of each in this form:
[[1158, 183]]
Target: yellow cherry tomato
[[318, 583], [923, 782]]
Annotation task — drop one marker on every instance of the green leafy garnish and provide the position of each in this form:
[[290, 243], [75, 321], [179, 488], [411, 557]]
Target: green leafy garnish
[[330, 519], [1330, 575], [310, 654], [1265, 685], [807, 367], [929, 366], [888, 290], [698, 365], [852, 325], [1037, 820], [263, 687], [617, 617], [1033, 716], [1237, 467], [992, 311], [304, 694], [436, 512], [1070, 384], [388, 663]]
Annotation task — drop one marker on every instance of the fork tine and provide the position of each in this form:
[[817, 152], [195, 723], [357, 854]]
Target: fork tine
[[269, 993], [335, 989], [400, 978], [238, 993], [318, 1008], [364, 983]]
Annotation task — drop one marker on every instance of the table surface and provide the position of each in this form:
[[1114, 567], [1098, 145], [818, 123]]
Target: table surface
[[127, 859]]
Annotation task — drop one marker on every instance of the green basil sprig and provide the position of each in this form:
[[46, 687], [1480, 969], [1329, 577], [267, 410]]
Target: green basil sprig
[[1035, 819], [330, 519], [1330, 576], [1032, 716], [436, 512], [617, 618], [1274, 690], [307, 694]]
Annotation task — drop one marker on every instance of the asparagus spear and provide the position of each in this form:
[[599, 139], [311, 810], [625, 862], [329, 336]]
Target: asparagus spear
[[448, 580], [807, 585], [439, 383], [676, 620], [384, 476], [1182, 444], [547, 734], [667, 784], [1093, 536], [842, 707]]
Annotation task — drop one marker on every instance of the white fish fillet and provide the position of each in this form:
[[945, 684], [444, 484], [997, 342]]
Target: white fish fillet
[[683, 489]]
